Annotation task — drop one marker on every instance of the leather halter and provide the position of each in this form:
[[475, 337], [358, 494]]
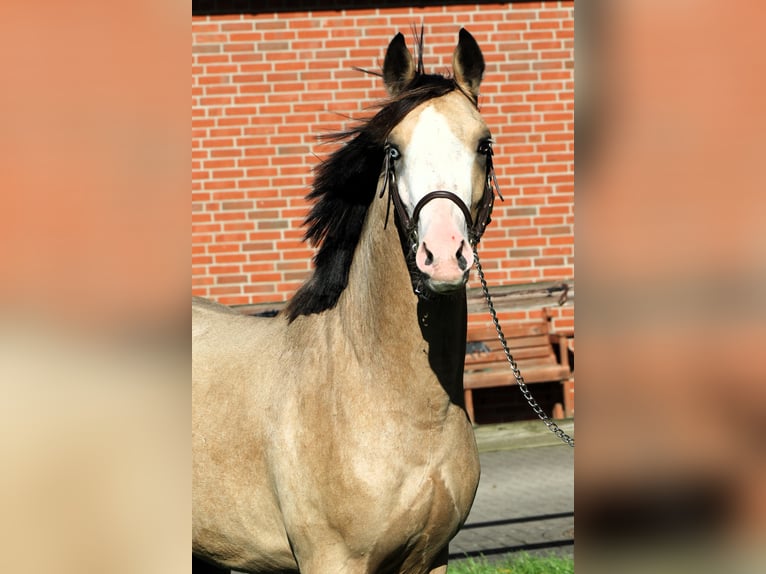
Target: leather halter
[[475, 228]]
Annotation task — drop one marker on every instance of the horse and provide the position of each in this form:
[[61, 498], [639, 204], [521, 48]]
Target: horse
[[333, 437]]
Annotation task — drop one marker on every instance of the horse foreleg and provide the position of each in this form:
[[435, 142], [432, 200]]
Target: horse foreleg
[[439, 565], [201, 567]]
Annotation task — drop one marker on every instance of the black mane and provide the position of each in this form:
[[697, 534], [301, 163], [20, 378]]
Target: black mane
[[344, 187]]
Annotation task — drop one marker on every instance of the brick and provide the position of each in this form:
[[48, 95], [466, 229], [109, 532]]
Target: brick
[[239, 47], [549, 220], [233, 289], [236, 26], [555, 14], [272, 224], [222, 269], [230, 237], [206, 48], [264, 214], [230, 258], [291, 266], [548, 261], [547, 65], [556, 272], [250, 37], [206, 228], [259, 288], [228, 216], [258, 246], [227, 279], [236, 205], [525, 253], [301, 254], [273, 45], [531, 241], [246, 59]]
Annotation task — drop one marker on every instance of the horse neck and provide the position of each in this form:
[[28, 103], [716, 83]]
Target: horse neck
[[384, 318]]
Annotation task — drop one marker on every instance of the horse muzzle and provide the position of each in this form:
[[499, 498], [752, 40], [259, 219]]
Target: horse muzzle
[[444, 254]]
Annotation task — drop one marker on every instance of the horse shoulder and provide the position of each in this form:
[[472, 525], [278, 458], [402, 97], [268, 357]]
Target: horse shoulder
[[236, 514]]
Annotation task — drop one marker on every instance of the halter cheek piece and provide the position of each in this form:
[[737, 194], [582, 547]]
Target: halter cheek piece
[[475, 228]]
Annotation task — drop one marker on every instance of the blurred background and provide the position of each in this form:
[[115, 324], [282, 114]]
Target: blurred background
[[94, 328], [671, 256]]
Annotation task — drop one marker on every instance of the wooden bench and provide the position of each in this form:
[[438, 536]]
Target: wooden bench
[[532, 347]]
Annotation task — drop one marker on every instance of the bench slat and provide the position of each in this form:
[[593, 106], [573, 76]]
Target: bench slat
[[499, 355], [501, 364], [516, 342], [511, 331], [500, 378]]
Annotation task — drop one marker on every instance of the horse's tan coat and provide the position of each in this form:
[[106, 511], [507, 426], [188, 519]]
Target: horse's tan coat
[[348, 461]]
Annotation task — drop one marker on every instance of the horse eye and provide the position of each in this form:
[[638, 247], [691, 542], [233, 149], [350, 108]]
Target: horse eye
[[394, 153], [485, 147]]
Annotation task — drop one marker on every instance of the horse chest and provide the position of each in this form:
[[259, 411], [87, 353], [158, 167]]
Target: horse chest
[[387, 498]]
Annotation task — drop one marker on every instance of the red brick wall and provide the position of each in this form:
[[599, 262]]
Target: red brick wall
[[264, 86]]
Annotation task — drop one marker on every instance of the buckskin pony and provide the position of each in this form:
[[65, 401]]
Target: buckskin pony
[[333, 438]]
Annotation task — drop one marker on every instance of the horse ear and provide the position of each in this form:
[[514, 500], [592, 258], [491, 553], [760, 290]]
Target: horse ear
[[398, 67], [468, 63]]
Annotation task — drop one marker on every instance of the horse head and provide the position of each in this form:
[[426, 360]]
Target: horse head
[[432, 151], [438, 162]]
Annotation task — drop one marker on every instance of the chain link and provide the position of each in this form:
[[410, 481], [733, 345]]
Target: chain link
[[553, 427]]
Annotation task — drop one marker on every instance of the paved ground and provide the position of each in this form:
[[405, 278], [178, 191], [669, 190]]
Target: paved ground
[[525, 500]]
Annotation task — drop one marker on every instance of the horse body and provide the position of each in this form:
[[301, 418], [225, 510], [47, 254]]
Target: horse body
[[335, 439], [357, 461]]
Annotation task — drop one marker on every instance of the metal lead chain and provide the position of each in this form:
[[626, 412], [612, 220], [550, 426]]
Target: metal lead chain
[[553, 427]]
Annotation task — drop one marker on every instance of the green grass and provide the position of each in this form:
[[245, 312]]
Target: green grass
[[516, 564]]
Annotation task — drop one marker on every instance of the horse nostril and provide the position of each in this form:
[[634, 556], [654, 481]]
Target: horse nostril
[[461, 260], [429, 256]]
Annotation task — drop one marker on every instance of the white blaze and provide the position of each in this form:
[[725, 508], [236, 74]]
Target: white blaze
[[437, 157]]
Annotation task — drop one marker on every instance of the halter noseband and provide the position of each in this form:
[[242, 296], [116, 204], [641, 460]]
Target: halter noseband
[[475, 228]]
